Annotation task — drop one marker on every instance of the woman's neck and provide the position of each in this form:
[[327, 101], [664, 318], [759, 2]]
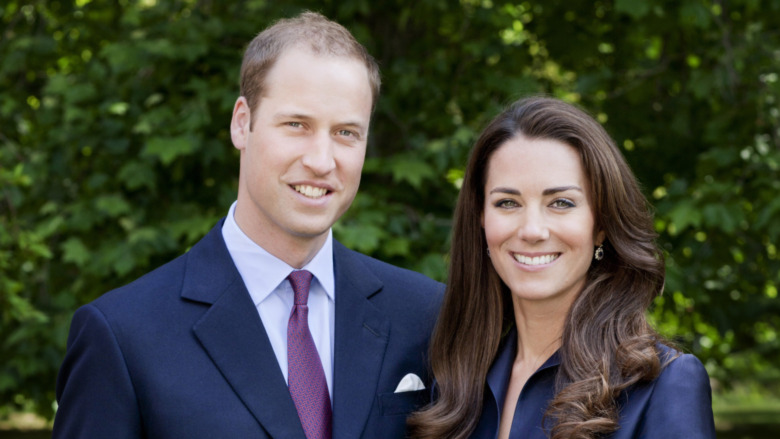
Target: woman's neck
[[539, 331]]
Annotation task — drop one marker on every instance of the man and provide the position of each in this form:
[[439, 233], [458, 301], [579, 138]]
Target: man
[[218, 343]]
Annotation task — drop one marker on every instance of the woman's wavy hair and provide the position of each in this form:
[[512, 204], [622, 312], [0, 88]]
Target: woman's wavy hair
[[607, 343]]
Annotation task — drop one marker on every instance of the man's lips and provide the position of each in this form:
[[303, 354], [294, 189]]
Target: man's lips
[[309, 191]]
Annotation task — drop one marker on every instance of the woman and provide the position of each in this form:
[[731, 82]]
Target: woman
[[542, 332]]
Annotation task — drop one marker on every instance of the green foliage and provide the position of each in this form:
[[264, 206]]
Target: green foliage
[[115, 154]]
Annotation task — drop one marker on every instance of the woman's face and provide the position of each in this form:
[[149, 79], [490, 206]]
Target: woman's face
[[538, 220]]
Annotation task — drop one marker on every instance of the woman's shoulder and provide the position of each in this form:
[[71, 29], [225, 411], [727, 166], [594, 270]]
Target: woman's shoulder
[[676, 404], [680, 372], [678, 366], [682, 390]]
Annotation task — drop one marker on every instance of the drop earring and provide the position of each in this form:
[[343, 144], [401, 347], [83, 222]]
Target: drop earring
[[599, 253]]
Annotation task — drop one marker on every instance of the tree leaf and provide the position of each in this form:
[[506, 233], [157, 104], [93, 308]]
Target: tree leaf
[[74, 250], [167, 149]]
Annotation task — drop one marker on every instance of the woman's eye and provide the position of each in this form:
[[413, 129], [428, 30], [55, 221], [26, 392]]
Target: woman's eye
[[563, 203], [506, 204], [294, 124]]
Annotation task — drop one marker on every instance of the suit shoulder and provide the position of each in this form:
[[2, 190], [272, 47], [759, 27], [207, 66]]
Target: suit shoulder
[[399, 276], [153, 286]]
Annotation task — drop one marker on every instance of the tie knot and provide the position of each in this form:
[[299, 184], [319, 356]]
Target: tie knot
[[300, 281]]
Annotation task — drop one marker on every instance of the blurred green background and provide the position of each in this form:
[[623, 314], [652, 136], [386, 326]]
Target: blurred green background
[[115, 154]]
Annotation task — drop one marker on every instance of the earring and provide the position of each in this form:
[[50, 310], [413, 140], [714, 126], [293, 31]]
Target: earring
[[488, 251], [599, 253]]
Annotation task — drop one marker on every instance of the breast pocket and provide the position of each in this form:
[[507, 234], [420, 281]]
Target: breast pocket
[[403, 403]]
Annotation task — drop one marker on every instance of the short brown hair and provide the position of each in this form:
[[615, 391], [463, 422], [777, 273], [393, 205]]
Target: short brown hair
[[309, 30]]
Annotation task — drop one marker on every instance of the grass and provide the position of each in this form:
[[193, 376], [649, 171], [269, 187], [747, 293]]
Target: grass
[[747, 413]]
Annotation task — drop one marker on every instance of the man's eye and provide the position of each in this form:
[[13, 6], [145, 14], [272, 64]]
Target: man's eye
[[294, 124], [347, 133]]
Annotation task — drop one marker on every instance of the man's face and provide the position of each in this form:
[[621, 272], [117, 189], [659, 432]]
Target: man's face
[[301, 161]]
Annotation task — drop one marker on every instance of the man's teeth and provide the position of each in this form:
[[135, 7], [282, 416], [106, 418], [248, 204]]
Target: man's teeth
[[536, 260], [310, 191]]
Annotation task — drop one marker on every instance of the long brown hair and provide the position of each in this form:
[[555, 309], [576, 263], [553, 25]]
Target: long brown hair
[[607, 343]]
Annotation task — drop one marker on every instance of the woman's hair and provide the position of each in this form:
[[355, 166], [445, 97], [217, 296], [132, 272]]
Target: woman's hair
[[607, 343]]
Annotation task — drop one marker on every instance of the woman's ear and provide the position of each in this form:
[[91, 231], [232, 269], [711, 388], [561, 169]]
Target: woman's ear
[[600, 237]]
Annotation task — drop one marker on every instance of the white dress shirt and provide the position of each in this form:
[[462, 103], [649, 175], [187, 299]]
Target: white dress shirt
[[265, 276]]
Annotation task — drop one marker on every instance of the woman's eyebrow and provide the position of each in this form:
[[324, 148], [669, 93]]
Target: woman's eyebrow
[[555, 190]]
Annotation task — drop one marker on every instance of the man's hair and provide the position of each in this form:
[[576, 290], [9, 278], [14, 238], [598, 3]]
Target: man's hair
[[308, 30]]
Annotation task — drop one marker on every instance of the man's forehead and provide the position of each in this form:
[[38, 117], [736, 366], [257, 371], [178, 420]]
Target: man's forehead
[[303, 53], [305, 66]]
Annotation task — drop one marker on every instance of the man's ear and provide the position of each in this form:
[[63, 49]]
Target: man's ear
[[240, 123]]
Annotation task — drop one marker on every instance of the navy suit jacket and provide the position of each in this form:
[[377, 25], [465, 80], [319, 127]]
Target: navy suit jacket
[[182, 353], [675, 405]]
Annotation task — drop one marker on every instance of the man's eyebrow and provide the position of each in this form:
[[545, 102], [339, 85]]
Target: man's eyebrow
[[292, 116], [301, 116], [350, 123], [353, 124]]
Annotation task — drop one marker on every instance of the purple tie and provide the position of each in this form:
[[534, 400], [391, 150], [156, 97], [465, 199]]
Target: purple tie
[[305, 377]]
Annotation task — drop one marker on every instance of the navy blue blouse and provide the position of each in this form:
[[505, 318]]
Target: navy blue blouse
[[677, 404]]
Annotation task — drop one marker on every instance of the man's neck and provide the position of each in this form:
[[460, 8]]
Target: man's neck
[[295, 251]]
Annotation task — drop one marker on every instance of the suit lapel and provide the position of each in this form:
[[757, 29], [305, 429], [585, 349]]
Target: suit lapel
[[234, 337], [361, 337]]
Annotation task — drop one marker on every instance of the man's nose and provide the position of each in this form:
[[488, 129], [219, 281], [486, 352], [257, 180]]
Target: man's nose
[[319, 156]]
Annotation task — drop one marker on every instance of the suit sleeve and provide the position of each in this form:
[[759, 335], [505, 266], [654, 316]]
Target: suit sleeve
[[681, 403], [95, 394]]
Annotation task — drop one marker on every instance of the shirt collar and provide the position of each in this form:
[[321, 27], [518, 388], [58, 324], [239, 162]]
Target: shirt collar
[[262, 272]]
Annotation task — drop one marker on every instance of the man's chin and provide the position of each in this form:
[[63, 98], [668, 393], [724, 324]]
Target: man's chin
[[312, 232]]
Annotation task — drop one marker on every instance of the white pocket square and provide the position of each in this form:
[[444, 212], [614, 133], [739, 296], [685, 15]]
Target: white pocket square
[[410, 383]]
